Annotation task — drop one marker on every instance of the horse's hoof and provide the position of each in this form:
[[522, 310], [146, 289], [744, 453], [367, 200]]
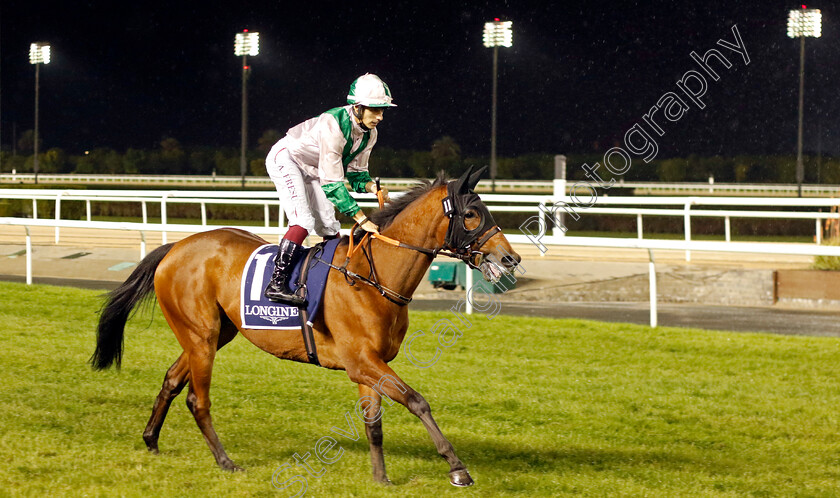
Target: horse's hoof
[[460, 478], [151, 443], [381, 478], [231, 467]]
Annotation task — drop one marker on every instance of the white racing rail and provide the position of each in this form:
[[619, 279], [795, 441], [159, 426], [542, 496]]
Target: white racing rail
[[263, 182], [544, 211], [536, 186], [648, 244], [544, 214]]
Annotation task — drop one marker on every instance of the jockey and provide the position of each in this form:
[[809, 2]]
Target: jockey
[[309, 166]]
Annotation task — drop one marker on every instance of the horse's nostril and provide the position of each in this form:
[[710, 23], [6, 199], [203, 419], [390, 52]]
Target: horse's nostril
[[510, 261]]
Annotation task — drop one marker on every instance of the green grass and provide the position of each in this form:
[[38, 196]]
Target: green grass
[[534, 407], [827, 262]]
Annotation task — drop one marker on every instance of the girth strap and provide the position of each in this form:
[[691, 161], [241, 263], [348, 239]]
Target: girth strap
[[305, 328]]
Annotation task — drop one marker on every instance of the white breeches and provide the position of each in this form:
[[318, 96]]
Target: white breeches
[[303, 200]]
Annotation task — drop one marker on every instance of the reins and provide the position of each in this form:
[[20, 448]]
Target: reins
[[351, 277], [466, 255]]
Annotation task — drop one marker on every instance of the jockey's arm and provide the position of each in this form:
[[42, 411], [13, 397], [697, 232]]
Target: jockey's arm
[[337, 194], [332, 172], [360, 181]]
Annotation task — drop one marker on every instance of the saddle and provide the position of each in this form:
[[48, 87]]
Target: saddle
[[308, 278]]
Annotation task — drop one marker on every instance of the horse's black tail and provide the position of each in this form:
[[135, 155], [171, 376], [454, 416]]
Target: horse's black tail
[[117, 309]]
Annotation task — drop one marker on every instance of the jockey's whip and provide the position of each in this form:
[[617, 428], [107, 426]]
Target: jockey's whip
[[379, 194]]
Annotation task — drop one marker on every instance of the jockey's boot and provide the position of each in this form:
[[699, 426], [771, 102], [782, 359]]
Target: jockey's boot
[[278, 289]]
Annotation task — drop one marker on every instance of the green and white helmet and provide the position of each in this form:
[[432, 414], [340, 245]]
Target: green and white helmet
[[370, 91]]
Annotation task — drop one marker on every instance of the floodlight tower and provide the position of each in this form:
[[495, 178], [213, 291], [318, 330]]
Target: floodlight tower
[[801, 23], [39, 53], [497, 33], [246, 43]]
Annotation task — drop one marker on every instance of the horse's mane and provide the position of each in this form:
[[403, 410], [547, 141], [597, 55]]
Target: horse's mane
[[386, 215]]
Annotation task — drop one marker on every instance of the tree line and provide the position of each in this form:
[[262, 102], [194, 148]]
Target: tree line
[[170, 157]]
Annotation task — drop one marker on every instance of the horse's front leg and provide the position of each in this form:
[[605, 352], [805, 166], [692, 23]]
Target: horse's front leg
[[371, 403], [377, 375]]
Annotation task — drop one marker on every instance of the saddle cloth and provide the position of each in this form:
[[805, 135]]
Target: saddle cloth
[[257, 312]]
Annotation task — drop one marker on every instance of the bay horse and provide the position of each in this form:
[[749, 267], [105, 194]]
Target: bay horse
[[197, 284]]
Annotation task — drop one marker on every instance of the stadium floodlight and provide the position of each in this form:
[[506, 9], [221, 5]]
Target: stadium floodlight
[[802, 23], [245, 43], [39, 53], [496, 34]]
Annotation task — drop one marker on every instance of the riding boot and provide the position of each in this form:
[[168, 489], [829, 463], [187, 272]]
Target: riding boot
[[278, 289]]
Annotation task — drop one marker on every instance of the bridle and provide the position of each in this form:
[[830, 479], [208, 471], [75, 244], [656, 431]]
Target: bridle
[[459, 243]]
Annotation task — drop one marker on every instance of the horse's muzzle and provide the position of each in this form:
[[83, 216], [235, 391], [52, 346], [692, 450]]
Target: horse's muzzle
[[511, 262]]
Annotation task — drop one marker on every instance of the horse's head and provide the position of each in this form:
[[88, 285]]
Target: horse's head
[[464, 228], [472, 233]]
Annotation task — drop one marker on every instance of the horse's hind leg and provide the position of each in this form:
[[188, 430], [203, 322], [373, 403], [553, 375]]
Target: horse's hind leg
[[198, 401], [176, 378], [373, 430]]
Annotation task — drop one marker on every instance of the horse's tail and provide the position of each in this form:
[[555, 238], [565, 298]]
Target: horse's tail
[[117, 309]]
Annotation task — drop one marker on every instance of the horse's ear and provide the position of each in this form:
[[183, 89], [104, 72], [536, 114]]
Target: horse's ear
[[474, 177], [462, 184]]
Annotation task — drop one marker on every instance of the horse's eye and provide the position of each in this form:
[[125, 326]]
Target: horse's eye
[[470, 214]]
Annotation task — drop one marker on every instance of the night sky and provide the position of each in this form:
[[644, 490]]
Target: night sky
[[579, 75]]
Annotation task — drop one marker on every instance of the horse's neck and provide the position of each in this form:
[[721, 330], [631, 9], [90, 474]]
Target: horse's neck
[[419, 225]]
